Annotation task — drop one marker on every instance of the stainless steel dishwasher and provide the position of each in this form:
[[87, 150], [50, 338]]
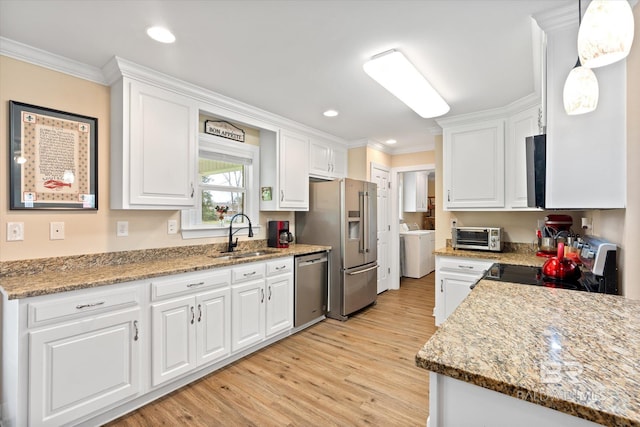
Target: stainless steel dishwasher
[[310, 293]]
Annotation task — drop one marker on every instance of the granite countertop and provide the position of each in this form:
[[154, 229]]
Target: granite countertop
[[516, 258], [29, 278], [574, 352]]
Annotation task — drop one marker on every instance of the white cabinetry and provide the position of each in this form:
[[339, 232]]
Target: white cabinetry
[[153, 147], [415, 185], [284, 167], [261, 308], [454, 277], [192, 329], [593, 140], [327, 160], [473, 160], [84, 354], [519, 127]]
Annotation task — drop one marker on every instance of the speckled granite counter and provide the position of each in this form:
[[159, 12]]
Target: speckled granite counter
[[29, 278], [517, 258], [503, 336]]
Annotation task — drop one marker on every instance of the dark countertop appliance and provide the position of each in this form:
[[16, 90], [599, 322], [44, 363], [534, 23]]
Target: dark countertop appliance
[[278, 235], [598, 270]]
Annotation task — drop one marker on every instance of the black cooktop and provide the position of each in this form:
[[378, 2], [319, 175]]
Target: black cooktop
[[528, 275]]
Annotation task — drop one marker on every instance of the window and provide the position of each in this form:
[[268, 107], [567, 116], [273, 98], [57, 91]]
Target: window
[[227, 184]]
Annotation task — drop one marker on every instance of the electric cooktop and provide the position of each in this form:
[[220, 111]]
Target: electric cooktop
[[528, 275]]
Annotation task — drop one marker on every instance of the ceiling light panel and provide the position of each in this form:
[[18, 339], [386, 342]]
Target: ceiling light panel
[[161, 34], [395, 73]]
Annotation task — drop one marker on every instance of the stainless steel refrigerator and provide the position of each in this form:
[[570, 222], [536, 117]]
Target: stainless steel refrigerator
[[342, 214]]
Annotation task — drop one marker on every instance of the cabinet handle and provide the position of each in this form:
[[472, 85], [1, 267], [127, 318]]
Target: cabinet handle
[[281, 268], [261, 295], [193, 315], [95, 304], [441, 283], [191, 285], [269, 293], [199, 312], [135, 326], [249, 274], [192, 190], [469, 267], [448, 195], [281, 195]]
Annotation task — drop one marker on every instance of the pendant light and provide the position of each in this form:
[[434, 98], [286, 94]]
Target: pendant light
[[580, 93], [606, 33]]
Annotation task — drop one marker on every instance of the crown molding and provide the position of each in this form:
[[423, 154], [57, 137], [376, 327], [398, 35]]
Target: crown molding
[[523, 103], [42, 58]]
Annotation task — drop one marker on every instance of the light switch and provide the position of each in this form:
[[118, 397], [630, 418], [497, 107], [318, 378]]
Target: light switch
[[15, 231], [122, 228], [56, 230]]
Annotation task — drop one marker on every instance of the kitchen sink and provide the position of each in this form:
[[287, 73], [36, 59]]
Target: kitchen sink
[[240, 255]]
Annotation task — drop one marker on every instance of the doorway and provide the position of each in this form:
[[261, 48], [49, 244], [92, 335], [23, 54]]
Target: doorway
[[380, 175]]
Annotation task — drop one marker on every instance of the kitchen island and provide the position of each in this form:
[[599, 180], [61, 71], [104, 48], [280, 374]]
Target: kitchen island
[[513, 354]]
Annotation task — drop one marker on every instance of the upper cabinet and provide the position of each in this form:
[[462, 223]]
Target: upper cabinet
[[284, 171], [327, 160], [415, 186], [519, 126], [153, 147], [473, 162], [592, 142]]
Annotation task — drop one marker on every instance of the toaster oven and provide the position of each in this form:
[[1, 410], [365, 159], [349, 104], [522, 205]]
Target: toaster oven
[[478, 238]]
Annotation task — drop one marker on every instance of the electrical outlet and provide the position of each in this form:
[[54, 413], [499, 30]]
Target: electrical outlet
[[56, 230], [15, 231], [172, 226], [122, 228]]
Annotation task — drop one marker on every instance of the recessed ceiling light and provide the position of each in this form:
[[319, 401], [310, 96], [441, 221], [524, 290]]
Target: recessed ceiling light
[[161, 34], [391, 141], [330, 113]]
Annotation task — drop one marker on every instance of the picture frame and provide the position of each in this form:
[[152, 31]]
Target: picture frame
[[265, 193], [53, 159]]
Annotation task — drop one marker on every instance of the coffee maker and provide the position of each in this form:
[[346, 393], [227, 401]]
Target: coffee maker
[[278, 234]]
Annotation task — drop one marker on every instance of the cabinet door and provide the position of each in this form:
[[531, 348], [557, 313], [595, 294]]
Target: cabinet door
[[473, 158], [83, 366], [163, 128], [293, 171], [521, 125], [247, 314], [319, 158], [213, 310], [173, 342], [338, 162], [279, 304]]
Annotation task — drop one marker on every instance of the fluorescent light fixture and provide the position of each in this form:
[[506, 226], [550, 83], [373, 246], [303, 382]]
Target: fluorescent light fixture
[[395, 73], [330, 113], [580, 93], [606, 33], [161, 34], [391, 141]]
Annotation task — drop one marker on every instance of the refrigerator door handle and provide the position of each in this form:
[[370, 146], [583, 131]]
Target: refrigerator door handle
[[362, 244], [365, 220], [363, 271]]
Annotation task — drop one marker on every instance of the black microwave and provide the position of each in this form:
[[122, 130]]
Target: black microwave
[[536, 155]]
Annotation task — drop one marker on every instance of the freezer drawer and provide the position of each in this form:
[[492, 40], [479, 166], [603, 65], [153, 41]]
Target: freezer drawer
[[310, 287], [359, 288]]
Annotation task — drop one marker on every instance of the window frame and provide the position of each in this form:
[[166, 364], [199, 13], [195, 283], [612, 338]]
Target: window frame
[[191, 219]]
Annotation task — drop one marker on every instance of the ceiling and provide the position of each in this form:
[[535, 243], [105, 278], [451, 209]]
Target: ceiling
[[298, 58]]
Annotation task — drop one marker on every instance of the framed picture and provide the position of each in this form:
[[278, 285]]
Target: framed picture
[[53, 159], [266, 193]]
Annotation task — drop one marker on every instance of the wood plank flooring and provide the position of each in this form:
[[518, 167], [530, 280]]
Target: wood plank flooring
[[355, 373]]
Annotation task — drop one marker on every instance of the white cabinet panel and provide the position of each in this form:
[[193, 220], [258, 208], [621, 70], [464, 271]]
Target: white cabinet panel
[[279, 304], [327, 160], [83, 366], [473, 160], [248, 314], [415, 186], [213, 334], [520, 126]]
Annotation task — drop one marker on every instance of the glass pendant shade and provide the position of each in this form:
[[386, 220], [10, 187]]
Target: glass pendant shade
[[580, 94], [606, 33]]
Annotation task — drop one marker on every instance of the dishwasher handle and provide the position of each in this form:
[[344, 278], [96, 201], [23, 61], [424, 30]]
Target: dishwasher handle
[[312, 261]]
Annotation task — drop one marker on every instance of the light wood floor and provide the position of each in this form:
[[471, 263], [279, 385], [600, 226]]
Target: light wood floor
[[354, 373]]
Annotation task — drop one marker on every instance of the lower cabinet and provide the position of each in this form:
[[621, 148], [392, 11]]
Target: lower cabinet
[[454, 277], [192, 330], [262, 307]]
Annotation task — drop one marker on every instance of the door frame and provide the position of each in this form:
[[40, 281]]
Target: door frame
[[387, 169], [394, 217]]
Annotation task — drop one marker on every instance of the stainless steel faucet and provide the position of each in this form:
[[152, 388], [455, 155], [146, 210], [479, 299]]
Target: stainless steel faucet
[[233, 244]]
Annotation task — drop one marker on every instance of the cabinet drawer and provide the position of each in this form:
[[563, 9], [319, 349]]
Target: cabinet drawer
[[190, 282], [280, 266], [248, 272], [60, 309], [464, 265]]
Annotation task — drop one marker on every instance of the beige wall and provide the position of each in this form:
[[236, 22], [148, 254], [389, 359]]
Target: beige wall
[[412, 159], [357, 163], [85, 231]]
